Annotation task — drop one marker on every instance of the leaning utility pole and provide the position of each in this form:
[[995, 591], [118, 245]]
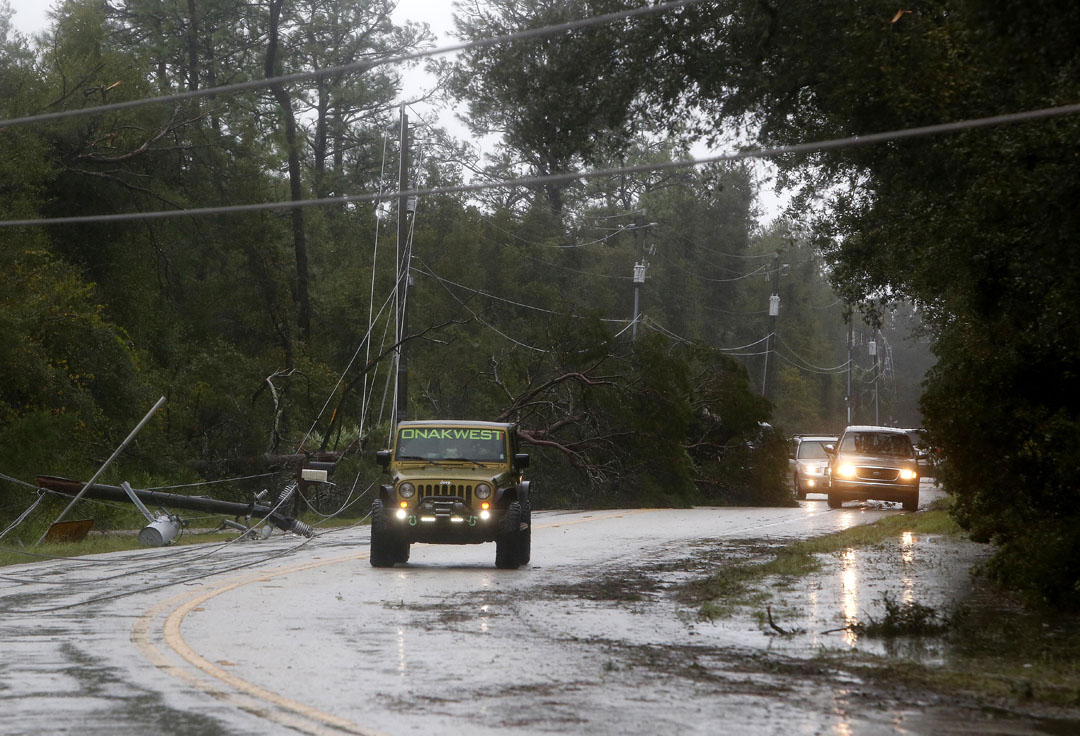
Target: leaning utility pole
[[403, 258]]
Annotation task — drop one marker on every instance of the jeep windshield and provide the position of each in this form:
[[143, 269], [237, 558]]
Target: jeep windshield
[[877, 443], [473, 444]]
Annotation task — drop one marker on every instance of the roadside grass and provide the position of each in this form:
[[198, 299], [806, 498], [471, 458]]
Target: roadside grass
[[909, 618], [1005, 678], [732, 587], [989, 647]]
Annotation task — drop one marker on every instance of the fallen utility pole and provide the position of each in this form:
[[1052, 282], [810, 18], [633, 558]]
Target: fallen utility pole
[[103, 492], [117, 451]]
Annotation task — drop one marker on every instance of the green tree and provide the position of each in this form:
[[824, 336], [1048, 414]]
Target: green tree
[[975, 228], [556, 101]]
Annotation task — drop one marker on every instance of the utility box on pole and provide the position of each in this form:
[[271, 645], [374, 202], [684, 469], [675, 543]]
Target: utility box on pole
[[639, 280], [770, 338]]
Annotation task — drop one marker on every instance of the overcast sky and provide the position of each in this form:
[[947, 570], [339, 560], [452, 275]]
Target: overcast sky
[[30, 15]]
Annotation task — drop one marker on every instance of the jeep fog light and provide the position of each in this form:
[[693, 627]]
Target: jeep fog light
[[907, 474], [483, 490], [402, 513], [846, 471], [485, 515]]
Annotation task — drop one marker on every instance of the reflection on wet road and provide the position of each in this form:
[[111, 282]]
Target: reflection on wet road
[[447, 643], [849, 580]]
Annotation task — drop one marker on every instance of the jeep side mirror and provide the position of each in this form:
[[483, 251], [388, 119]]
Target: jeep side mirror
[[382, 457], [521, 460]]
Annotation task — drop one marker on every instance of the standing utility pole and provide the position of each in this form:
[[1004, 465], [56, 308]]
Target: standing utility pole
[[850, 341], [873, 354], [639, 271], [639, 280], [774, 310], [403, 259]]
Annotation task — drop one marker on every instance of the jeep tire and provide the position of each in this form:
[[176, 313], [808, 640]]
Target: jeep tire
[[526, 535], [385, 545], [510, 546]]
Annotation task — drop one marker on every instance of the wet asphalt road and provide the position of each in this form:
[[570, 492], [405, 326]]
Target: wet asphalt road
[[292, 635]]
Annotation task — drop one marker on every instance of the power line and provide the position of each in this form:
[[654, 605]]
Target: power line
[[427, 271], [749, 345], [359, 66], [761, 270], [835, 369], [548, 264], [754, 313], [842, 369], [569, 246], [798, 148], [486, 324]]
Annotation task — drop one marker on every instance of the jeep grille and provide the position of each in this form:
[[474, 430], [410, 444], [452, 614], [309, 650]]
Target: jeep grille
[[453, 490]]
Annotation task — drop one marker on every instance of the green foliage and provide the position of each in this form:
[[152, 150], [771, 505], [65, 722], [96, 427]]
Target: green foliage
[[908, 618], [977, 229], [520, 311]]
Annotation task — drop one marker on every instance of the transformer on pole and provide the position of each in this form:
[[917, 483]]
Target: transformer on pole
[[639, 281]]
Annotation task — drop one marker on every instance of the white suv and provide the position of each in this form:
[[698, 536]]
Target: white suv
[[809, 463]]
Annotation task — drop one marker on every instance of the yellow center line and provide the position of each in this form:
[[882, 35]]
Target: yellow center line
[[245, 695], [311, 720]]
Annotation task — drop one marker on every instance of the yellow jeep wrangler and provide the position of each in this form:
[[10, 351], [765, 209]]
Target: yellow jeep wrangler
[[453, 482]]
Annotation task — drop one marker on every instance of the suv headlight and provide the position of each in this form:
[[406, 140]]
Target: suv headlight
[[907, 474], [482, 490], [846, 471], [406, 490]]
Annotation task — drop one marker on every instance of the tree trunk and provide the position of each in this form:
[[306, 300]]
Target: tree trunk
[[296, 192]]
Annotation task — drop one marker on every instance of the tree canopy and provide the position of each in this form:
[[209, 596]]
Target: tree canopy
[[272, 332], [975, 228]]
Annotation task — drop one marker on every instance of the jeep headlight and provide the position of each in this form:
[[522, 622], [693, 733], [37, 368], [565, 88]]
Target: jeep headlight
[[482, 490], [907, 474], [846, 471], [406, 490]]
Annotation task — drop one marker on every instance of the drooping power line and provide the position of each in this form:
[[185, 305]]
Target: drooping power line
[[770, 152]]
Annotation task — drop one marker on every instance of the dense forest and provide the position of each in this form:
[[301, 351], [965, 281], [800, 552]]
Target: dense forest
[[272, 329]]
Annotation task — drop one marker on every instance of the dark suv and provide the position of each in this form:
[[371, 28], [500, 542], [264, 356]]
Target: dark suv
[[874, 462]]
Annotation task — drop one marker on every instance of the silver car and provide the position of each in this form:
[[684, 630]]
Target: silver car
[[809, 463], [874, 462]]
